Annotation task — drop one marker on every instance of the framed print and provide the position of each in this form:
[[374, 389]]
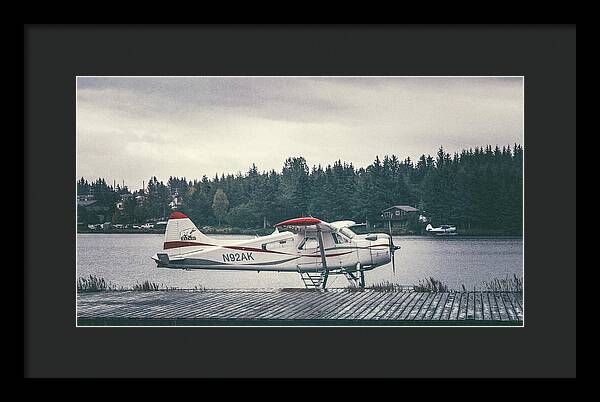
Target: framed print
[[240, 195]]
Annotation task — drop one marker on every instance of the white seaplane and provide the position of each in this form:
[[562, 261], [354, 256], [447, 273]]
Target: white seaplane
[[443, 230], [309, 246]]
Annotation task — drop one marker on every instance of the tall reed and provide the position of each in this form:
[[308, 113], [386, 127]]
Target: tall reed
[[506, 284], [92, 284], [430, 285]]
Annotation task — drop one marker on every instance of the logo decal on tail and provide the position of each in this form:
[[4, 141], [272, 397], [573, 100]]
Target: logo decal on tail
[[187, 235]]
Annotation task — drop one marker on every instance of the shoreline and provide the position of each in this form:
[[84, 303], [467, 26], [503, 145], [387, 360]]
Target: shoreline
[[263, 232]]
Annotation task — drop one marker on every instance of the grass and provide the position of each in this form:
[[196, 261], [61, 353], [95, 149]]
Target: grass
[[96, 284], [385, 286], [146, 286], [353, 288], [431, 285], [93, 284], [506, 284]]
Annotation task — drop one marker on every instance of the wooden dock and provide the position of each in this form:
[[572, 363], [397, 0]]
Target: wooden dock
[[299, 307]]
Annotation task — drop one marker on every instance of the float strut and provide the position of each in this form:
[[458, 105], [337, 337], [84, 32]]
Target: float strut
[[323, 258]]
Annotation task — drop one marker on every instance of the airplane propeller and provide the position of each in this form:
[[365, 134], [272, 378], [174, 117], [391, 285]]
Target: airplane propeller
[[393, 248]]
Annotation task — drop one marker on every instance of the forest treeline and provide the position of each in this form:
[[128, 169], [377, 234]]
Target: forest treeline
[[479, 190]]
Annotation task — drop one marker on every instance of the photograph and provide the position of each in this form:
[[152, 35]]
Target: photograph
[[299, 201]]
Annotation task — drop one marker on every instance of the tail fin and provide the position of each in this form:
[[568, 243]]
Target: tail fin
[[182, 232], [429, 227]]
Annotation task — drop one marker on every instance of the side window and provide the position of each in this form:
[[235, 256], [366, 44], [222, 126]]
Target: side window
[[277, 244], [308, 243], [339, 239]]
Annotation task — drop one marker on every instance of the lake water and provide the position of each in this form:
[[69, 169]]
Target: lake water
[[124, 260]]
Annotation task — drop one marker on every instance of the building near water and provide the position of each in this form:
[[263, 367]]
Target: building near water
[[398, 212], [398, 216]]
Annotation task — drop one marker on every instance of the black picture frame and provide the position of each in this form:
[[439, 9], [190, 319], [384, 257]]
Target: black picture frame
[[54, 54]]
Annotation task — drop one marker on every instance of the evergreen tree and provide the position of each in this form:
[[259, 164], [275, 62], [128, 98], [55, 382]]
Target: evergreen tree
[[480, 190], [220, 205]]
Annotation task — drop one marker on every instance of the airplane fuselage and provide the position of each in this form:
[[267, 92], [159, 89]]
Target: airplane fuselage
[[280, 251]]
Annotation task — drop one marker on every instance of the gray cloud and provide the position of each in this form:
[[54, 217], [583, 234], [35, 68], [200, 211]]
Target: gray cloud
[[129, 128]]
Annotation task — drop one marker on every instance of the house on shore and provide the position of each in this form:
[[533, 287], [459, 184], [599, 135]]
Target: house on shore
[[397, 217]]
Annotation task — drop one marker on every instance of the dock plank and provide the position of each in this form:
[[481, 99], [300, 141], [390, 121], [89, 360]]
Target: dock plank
[[215, 303], [330, 313], [356, 301], [392, 305], [455, 307], [310, 307], [333, 304], [221, 305], [427, 313], [494, 310], [471, 306], [445, 316], [440, 307], [478, 311], [325, 302], [462, 310], [368, 306], [409, 307], [249, 306], [501, 308], [512, 315], [427, 297], [340, 305], [381, 307], [357, 307], [303, 307], [515, 301], [278, 306], [399, 307]]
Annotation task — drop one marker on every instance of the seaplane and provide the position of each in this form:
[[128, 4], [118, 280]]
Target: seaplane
[[443, 230], [313, 248]]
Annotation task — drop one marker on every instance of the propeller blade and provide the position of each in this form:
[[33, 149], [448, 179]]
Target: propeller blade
[[392, 249]]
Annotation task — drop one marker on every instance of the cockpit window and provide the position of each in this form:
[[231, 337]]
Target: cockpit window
[[338, 238], [347, 232]]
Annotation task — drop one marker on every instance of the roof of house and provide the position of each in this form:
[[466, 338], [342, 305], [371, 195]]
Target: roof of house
[[406, 208]]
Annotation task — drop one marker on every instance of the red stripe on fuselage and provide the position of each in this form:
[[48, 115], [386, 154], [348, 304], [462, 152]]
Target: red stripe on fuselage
[[176, 244], [326, 255], [258, 250], [378, 245]]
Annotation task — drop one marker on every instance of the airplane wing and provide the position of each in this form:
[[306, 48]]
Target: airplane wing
[[337, 225], [297, 224]]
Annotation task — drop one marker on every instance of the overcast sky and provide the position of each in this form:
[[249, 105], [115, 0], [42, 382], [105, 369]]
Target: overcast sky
[[131, 128]]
